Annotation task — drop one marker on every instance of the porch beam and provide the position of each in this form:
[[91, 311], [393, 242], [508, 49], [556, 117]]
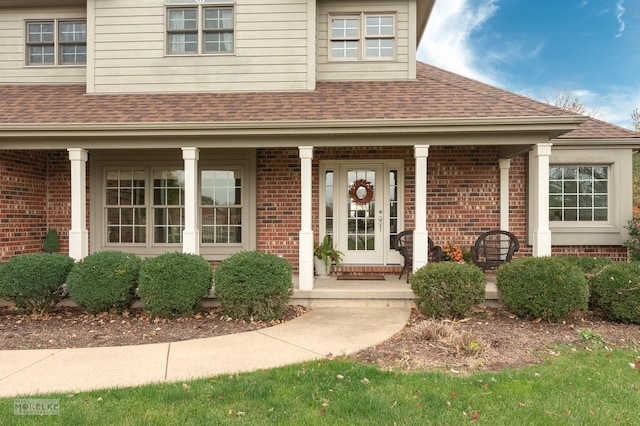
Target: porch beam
[[191, 233], [505, 165], [78, 234], [420, 236], [305, 250], [541, 231]]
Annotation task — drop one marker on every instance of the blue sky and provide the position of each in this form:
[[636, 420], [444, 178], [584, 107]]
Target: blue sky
[[531, 47]]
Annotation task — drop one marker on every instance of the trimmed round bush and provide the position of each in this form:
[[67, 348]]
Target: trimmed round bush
[[590, 265], [104, 281], [253, 285], [548, 288], [616, 290], [174, 284], [448, 289], [34, 282]]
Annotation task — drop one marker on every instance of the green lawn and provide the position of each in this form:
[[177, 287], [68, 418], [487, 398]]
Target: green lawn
[[576, 388]]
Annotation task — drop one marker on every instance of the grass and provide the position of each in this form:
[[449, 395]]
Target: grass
[[585, 387]]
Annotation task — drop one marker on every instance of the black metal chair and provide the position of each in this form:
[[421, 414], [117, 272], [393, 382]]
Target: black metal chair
[[404, 244], [493, 249]]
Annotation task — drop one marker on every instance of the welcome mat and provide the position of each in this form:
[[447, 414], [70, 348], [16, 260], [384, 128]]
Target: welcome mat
[[360, 277]]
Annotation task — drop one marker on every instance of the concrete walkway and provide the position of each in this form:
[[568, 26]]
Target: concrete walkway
[[322, 331]]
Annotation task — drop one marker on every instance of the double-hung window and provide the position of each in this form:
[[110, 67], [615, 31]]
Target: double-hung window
[[221, 206], [362, 37], [55, 42], [200, 27]]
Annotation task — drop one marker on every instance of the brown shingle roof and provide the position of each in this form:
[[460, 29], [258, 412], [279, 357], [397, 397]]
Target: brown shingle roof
[[598, 129], [435, 94]]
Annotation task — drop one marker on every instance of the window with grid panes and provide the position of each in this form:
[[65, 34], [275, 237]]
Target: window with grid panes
[[579, 193], [56, 42], [221, 206], [362, 37], [200, 27]]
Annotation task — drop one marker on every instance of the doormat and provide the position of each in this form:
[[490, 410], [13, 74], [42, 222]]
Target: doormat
[[360, 277]]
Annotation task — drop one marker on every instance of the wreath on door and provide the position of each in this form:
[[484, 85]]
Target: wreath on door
[[361, 192]]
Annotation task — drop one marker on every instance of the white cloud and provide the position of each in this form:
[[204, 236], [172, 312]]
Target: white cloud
[[446, 41], [620, 10], [616, 106]]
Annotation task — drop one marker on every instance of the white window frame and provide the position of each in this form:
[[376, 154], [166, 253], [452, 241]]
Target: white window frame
[[579, 194], [581, 233], [200, 31], [57, 44], [243, 161], [362, 37]]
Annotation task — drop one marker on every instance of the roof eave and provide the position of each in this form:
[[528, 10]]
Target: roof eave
[[476, 131], [554, 125], [425, 7], [604, 142]]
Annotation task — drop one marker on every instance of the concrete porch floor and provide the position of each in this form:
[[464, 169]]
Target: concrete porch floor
[[390, 292]]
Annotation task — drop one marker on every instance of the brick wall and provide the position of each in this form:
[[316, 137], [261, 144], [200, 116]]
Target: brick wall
[[463, 196], [34, 197], [23, 199], [278, 202]]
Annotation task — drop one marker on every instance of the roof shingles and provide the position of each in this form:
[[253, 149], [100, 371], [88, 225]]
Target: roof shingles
[[435, 94]]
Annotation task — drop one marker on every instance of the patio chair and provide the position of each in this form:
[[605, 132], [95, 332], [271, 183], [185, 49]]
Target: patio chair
[[493, 249], [404, 244]]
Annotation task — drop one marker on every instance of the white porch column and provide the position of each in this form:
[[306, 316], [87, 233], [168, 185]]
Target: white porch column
[[505, 165], [541, 232], [191, 233], [305, 251], [420, 237], [78, 234]]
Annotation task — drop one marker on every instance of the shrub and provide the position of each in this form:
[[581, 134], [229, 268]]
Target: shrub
[[253, 285], [590, 265], [548, 288], [633, 243], [617, 291], [51, 242], [173, 284], [104, 281], [34, 282], [448, 289]]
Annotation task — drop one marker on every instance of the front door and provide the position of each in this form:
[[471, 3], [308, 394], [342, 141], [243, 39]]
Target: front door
[[362, 214], [362, 208]]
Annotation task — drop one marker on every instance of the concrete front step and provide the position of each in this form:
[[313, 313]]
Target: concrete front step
[[389, 293]]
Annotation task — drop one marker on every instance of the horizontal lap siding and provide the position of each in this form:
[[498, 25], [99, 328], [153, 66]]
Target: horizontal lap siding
[[13, 69], [271, 50], [364, 70]]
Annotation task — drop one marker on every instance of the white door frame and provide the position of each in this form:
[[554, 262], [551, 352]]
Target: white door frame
[[339, 191]]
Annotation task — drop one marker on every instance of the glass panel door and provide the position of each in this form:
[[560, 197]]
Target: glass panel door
[[363, 215]]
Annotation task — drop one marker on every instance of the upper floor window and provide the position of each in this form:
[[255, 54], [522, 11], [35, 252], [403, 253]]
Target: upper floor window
[[56, 42], [362, 37], [578, 193], [200, 27]]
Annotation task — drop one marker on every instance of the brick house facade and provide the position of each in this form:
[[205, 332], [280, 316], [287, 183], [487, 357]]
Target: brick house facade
[[146, 148]]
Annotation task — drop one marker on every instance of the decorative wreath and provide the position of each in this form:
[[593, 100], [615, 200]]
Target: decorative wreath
[[361, 192]]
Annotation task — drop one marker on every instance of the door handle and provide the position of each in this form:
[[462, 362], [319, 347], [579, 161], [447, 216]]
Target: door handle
[[380, 220]]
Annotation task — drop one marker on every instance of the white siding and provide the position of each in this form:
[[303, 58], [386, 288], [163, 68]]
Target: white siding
[[271, 50], [398, 69], [13, 69]]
